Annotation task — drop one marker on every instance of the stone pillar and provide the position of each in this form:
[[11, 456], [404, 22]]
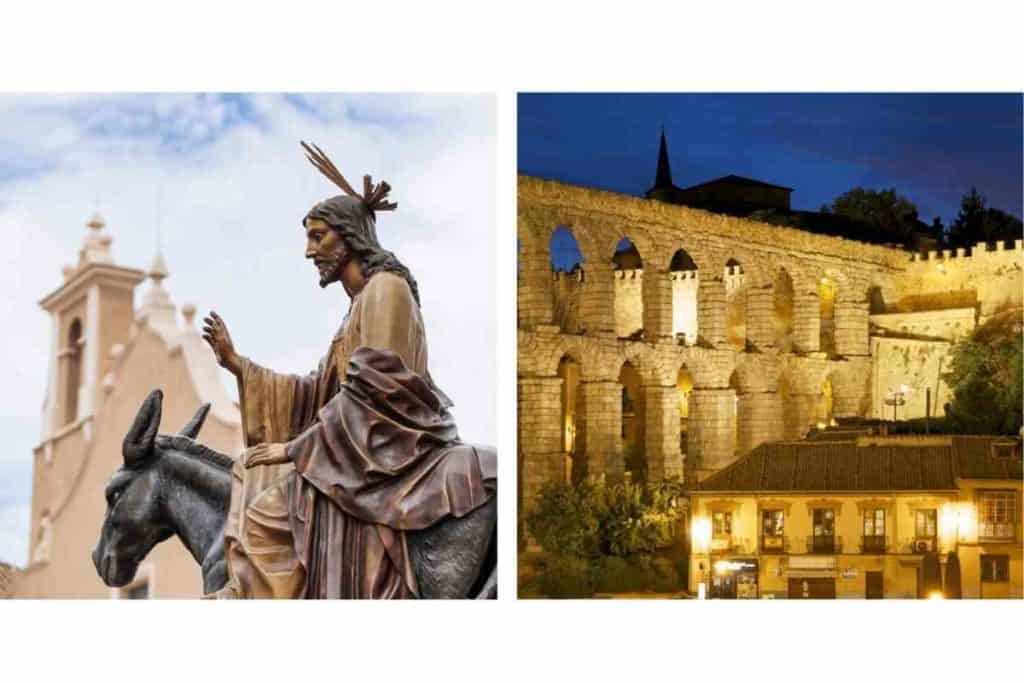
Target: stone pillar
[[851, 328], [664, 461], [657, 296], [758, 420], [712, 439], [602, 430], [806, 323], [711, 304], [761, 317], [597, 298], [535, 291], [799, 415], [540, 434]]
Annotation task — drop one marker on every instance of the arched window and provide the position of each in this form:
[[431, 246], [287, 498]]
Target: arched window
[[629, 284], [567, 270], [569, 373], [685, 283], [783, 304], [633, 422], [73, 377], [736, 305], [684, 385]]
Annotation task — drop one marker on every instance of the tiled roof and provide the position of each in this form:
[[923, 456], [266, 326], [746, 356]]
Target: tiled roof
[[809, 466]]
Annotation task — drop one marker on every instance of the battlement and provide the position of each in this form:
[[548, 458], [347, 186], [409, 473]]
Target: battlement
[[979, 250]]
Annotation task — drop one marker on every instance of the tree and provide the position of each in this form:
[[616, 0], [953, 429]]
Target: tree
[[889, 213], [977, 222], [985, 376]]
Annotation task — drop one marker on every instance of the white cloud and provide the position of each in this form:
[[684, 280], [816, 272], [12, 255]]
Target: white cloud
[[233, 186]]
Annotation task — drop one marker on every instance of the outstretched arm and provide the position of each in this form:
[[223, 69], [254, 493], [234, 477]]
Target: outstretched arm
[[215, 332]]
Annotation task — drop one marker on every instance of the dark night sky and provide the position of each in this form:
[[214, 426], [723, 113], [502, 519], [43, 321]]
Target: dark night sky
[[931, 147]]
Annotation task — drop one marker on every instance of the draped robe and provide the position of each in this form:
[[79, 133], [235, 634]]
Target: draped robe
[[373, 454]]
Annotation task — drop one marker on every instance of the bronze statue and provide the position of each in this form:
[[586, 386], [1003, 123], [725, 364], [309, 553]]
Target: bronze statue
[[354, 482]]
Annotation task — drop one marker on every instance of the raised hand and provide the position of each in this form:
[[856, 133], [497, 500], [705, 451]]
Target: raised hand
[[215, 332], [265, 454]]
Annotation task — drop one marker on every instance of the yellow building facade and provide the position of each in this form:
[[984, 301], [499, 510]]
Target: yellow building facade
[[859, 519]]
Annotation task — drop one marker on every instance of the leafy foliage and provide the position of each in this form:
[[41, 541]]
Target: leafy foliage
[[985, 377], [977, 222], [883, 209], [606, 538]]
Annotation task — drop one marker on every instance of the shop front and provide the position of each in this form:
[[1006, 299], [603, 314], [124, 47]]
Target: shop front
[[734, 579], [811, 578]]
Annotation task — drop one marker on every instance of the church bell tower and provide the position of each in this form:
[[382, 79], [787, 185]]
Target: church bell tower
[[90, 311]]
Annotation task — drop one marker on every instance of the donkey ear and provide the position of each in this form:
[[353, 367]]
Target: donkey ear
[[191, 430], [138, 442]]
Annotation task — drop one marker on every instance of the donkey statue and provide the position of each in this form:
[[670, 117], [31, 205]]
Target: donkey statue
[[170, 484]]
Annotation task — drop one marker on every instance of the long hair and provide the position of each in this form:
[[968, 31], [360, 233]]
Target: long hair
[[355, 222]]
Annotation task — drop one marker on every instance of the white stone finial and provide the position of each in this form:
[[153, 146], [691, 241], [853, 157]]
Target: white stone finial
[[96, 245], [188, 311], [158, 269]]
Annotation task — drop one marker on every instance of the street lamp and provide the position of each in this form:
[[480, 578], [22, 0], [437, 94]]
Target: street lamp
[[896, 397]]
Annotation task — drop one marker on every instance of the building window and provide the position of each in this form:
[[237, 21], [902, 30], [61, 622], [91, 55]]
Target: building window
[[772, 529], [995, 568], [997, 511], [824, 539], [874, 530], [925, 524], [73, 378], [721, 524]]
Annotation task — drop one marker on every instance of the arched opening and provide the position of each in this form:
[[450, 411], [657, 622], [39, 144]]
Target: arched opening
[[684, 385], [567, 272], [827, 303], [685, 283], [633, 423], [735, 305], [569, 373], [629, 289], [73, 377], [733, 436], [783, 306], [825, 413], [876, 300]]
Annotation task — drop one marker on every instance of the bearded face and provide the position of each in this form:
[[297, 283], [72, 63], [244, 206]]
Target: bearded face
[[327, 249]]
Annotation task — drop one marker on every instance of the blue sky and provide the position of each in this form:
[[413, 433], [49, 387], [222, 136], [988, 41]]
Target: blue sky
[[224, 182], [931, 147]]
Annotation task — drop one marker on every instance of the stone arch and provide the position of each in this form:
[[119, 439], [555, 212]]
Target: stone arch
[[571, 411], [684, 387], [685, 278], [735, 281], [567, 272], [73, 370], [782, 310], [633, 419], [828, 295], [629, 289]]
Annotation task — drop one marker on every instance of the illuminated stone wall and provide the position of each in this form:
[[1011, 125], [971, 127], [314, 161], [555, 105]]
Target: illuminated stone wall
[[753, 334]]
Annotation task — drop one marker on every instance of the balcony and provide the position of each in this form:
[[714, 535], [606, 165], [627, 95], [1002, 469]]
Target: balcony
[[824, 545], [922, 545], [774, 544], [873, 545]]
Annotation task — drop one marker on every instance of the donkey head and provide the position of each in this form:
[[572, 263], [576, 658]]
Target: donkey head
[[134, 521]]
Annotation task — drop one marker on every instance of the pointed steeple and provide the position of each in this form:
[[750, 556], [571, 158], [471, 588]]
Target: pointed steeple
[[663, 179]]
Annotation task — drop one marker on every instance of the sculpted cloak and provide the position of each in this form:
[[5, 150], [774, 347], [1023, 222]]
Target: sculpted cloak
[[373, 454]]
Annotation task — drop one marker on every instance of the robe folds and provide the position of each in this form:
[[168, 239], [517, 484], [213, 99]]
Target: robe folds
[[374, 453]]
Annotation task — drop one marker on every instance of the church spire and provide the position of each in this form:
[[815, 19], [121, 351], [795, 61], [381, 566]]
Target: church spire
[[664, 175]]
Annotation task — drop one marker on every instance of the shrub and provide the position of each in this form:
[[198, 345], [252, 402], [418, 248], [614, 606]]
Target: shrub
[[566, 577]]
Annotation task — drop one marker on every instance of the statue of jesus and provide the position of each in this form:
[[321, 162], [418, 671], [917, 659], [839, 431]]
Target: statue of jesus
[[341, 463]]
